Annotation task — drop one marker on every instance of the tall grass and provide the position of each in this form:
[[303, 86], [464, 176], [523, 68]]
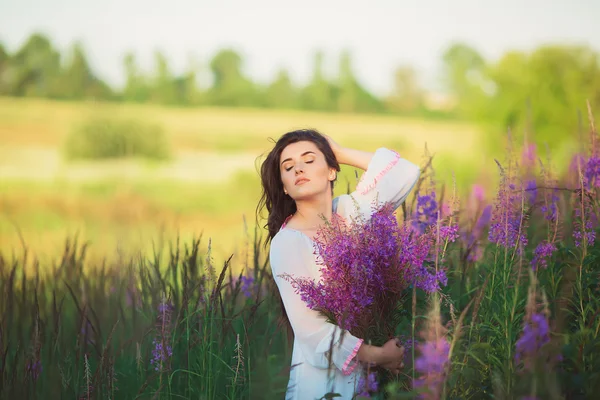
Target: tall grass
[[176, 325], [139, 329]]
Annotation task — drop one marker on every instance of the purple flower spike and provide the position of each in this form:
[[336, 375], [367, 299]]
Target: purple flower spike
[[536, 333], [247, 285], [369, 386]]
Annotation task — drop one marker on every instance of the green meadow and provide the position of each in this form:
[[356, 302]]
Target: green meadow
[[208, 185]]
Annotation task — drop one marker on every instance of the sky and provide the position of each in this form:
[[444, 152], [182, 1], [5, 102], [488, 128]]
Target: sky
[[271, 34]]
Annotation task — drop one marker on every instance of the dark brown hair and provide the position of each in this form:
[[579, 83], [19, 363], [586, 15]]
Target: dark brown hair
[[278, 204]]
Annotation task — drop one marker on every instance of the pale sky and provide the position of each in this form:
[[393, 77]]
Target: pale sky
[[381, 34]]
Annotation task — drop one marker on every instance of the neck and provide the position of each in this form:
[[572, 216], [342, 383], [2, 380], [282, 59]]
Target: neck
[[311, 211]]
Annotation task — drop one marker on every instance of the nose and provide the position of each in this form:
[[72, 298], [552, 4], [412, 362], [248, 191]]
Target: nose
[[299, 168]]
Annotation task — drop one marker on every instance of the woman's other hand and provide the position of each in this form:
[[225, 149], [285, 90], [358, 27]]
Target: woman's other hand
[[392, 356]]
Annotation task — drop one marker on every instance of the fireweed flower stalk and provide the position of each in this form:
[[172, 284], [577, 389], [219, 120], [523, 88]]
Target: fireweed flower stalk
[[536, 355], [433, 358], [585, 219], [162, 351], [367, 385], [528, 161], [425, 213], [478, 216], [507, 228], [549, 209], [366, 267]]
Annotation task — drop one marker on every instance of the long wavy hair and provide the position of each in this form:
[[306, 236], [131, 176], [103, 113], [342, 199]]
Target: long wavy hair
[[278, 204]]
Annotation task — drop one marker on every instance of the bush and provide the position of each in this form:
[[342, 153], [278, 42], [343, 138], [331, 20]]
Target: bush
[[105, 137]]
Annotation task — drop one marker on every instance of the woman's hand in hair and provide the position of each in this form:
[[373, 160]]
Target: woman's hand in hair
[[353, 157], [337, 149]]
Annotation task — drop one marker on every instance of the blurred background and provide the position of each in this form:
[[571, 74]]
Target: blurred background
[[129, 122]]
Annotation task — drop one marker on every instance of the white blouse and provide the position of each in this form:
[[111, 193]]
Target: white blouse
[[388, 178]]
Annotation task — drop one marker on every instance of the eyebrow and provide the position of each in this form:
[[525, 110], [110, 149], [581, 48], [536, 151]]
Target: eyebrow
[[302, 155]]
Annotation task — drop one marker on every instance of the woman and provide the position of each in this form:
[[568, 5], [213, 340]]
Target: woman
[[297, 180]]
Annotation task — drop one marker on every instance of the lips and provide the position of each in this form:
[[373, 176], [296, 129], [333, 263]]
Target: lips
[[300, 181]]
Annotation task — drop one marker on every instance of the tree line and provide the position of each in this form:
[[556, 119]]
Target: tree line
[[541, 89]]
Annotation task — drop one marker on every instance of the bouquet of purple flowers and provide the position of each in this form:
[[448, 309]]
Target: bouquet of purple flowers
[[367, 266]]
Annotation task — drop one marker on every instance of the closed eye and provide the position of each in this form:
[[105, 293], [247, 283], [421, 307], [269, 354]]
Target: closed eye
[[308, 162]]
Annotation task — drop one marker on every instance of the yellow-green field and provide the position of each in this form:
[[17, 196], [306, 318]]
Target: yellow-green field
[[209, 185]]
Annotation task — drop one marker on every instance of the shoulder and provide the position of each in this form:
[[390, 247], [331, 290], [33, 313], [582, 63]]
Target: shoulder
[[287, 239], [346, 205]]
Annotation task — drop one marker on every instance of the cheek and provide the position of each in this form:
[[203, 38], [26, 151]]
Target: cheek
[[285, 178]]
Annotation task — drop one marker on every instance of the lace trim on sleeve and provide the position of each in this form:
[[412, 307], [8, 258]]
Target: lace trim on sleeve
[[372, 186], [349, 366]]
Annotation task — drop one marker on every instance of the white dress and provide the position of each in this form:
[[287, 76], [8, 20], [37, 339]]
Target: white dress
[[388, 178]]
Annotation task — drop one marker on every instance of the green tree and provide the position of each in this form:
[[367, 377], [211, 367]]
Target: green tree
[[351, 95], [543, 90], [466, 76], [281, 93], [34, 70], [78, 80], [136, 88], [187, 86], [319, 94], [230, 86], [4, 60], [407, 95], [164, 88]]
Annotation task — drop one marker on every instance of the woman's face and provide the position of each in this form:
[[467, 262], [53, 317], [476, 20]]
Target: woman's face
[[304, 170]]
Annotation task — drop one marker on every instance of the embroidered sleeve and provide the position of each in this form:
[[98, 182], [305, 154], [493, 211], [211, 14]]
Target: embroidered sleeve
[[388, 178], [351, 361]]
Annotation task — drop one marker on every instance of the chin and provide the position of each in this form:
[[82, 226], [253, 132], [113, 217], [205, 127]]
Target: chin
[[304, 195]]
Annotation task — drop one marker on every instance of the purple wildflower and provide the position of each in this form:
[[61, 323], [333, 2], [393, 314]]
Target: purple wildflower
[[477, 193], [165, 309], [369, 386], [449, 233], [408, 344], [426, 213], [366, 267], [541, 254], [434, 357], [531, 191], [550, 208], [592, 172], [247, 285], [529, 155], [161, 353], [34, 369], [585, 219], [472, 239], [536, 333], [507, 228]]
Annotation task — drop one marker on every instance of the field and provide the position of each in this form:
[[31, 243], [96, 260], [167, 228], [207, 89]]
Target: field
[[209, 186], [142, 313]]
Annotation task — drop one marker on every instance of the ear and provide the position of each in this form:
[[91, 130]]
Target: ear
[[332, 174]]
